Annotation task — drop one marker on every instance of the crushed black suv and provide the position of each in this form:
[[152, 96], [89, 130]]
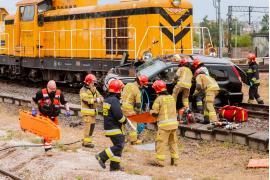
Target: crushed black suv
[[228, 76]]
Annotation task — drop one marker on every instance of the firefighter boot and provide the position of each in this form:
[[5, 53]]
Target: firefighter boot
[[260, 101], [101, 163], [251, 101], [158, 163], [174, 162], [87, 141]]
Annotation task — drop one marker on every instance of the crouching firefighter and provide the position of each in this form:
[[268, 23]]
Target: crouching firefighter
[[184, 78], [254, 80], [164, 108], [90, 97], [49, 100], [113, 124], [131, 103], [197, 64], [209, 86]]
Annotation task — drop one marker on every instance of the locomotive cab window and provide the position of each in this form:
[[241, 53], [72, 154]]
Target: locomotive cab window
[[44, 6], [27, 13]]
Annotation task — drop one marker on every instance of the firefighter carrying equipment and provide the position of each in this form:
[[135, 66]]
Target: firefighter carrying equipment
[[90, 98], [211, 89], [254, 82], [184, 78], [131, 105], [165, 108], [39, 125], [233, 113], [48, 106]]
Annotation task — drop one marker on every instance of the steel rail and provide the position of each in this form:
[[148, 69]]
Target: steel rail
[[8, 174]]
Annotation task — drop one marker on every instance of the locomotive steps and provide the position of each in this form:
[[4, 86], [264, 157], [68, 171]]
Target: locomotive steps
[[258, 140]]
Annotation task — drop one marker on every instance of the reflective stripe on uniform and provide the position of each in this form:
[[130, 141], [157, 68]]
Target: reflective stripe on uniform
[[113, 132], [160, 157], [111, 156], [174, 156], [86, 111], [168, 122], [212, 113], [127, 106], [87, 139], [132, 133], [122, 119], [91, 101], [199, 103]]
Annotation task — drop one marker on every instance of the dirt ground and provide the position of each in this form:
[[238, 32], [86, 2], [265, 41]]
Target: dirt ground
[[263, 88], [198, 159]]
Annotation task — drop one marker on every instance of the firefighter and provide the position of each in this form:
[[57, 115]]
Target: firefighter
[[49, 100], [113, 124], [254, 81], [131, 103], [209, 87], [197, 64], [184, 78], [164, 108], [90, 98]]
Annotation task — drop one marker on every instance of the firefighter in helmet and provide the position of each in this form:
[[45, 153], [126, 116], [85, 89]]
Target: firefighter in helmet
[[184, 78], [90, 98], [49, 100], [164, 108], [197, 64], [131, 102], [113, 124], [253, 79], [209, 87]]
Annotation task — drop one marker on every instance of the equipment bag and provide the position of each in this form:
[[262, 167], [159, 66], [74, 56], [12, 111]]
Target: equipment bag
[[186, 116], [233, 113]]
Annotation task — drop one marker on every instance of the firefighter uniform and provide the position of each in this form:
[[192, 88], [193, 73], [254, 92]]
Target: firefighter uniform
[[165, 108], [209, 86], [184, 76], [49, 106], [113, 122], [254, 83], [131, 104], [90, 97]]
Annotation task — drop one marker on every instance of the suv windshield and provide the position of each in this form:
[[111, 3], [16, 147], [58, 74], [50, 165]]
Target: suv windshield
[[150, 67]]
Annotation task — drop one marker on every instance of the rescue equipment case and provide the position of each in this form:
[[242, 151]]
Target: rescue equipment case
[[39, 125], [233, 113]]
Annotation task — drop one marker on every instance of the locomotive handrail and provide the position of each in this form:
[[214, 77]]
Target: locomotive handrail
[[90, 49], [173, 33]]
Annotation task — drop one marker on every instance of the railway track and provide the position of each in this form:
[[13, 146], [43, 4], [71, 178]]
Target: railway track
[[9, 175], [256, 110]]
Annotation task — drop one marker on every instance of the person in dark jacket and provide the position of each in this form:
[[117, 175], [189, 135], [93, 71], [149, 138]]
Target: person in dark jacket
[[254, 80], [113, 122]]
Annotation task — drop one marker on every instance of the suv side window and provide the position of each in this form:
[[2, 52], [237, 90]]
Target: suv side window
[[168, 74], [219, 74]]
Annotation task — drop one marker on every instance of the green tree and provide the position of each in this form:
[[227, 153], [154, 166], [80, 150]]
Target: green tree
[[242, 41], [213, 28], [265, 24]]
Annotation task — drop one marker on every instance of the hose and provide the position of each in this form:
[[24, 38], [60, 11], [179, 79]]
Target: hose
[[37, 145]]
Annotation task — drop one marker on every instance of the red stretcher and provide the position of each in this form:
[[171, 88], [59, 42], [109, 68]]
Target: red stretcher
[[39, 125], [142, 118]]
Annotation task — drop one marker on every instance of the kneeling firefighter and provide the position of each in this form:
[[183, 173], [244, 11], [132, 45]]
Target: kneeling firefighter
[[164, 108], [49, 100], [113, 124], [184, 78], [131, 103], [209, 86], [90, 98]]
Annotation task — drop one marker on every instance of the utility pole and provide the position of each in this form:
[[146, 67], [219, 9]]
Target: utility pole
[[219, 30]]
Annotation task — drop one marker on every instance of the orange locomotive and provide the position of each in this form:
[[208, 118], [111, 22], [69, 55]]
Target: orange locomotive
[[65, 39]]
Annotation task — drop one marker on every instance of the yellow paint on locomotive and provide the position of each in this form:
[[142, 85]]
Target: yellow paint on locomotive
[[86, 31]]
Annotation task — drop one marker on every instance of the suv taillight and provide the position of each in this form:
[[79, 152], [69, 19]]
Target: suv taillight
[[236, 73]]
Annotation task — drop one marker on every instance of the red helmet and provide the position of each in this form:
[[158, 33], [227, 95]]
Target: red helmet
[[159, 86], [143, 80], [115, 86], [183, 62], [196, 63], [251, 57], [90, 78]]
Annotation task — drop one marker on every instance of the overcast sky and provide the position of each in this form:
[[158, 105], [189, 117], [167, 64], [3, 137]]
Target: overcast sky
[[201, 7]]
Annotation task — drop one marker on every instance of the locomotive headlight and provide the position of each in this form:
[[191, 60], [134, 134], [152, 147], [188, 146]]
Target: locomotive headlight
[[176, 2]]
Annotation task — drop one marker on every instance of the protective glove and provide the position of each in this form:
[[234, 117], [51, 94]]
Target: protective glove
[[34, 112], [68, 114]]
